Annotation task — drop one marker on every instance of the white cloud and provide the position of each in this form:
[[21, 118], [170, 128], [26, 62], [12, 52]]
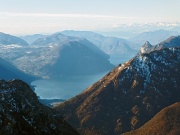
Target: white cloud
[[84, 16], [63, 15], [45, 22]]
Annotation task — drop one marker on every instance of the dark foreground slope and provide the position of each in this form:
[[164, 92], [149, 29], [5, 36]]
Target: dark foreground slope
[[127, 97], [166, 122], [21, 113]]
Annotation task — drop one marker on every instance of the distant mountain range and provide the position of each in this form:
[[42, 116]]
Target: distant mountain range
[[166, 122], [154, 37], [60, 39], [74, 56], [22, 114], [128, 96], [117, 48], [57, 55], [130, 30], [6, 39], [110, 45], [9, 72], [31, 38]]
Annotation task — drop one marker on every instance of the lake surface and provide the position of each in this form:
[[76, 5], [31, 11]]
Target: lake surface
[[66, 87], [70, 86]]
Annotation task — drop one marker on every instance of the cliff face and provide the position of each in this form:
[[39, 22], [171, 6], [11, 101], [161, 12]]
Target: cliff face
[[21, 112], [128, 96]]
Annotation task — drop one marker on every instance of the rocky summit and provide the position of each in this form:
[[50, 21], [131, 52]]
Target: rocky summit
[[173, 41], [128, 96], [22, 114]]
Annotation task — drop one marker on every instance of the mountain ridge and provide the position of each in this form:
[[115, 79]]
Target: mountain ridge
[[7, 39], [31, 38], [128, 96], [57, 55], [154, 37], [110, 45], [173, 41]]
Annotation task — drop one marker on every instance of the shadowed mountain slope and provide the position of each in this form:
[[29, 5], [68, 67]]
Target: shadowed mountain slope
[[72, 55], [166, 122], [8, 72], [22, 114]]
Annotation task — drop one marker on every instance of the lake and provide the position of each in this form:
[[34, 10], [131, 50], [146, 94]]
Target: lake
[[66, 87], [70, 86]]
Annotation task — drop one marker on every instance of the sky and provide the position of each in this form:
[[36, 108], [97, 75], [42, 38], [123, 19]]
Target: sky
[[47, 16]]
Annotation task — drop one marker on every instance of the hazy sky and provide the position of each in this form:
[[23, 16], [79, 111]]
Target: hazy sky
[[48, 16]]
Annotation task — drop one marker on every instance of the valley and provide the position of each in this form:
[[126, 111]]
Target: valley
[[84, 81], [65, 73], [76, 67]]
